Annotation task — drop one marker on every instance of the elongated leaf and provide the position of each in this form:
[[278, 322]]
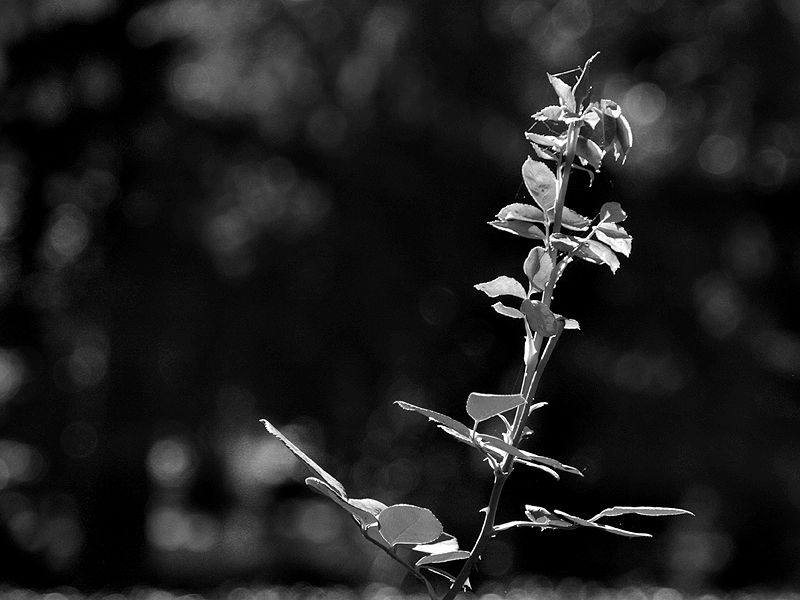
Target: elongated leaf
[[566, 96], [538, 266], [408, 524], [507, 311], [624, 136], [544, 518], [598, 253], [572, 220], [440, 558], [485, 406], [541, 184], [648, 511], [615, 237], [549, 113], [521, 212], [520, 228], [444, 543], [324, 475], [444, 420], [589, 152], [364, 510], [539, 317], [528, 456], [502, 286], [611, 212], [544, 153], [546, 141], [608, 528]]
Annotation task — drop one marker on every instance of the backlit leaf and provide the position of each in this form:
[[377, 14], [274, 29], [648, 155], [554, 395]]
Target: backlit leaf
[[564, 91], [549, 113], [611, 212], [541, 184], [544, 518], [324, 475], [615, 237], [608, 528], [539, 317], [521, 228], [496, 442], [445, 557], [502, 286], [364, 510], [589, 152], [521, 212], [648, 511], [485, 406], [598, 253], [571, 324], [507, 311], [444, 420], [444, 543], [546, 141], [408, 524], [538, 266], [572, 220], [624, 135]]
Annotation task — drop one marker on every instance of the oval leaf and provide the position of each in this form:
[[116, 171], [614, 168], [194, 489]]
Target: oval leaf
[[485, 406], [327, 477], [521, 212], [572, 220], [615, 237], [502, 286], [598, 253], [520, 228], [540, 318], [611, 212], [445, 557], [541, 184], [408, 524]]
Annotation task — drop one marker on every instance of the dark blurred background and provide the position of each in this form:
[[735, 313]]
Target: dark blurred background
[[216, 211]]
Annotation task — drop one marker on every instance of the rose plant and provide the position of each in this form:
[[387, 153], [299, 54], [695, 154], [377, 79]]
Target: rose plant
[[576, 133]]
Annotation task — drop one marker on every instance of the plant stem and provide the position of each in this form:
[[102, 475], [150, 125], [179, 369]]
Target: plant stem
[[530, 383], [486, 533]]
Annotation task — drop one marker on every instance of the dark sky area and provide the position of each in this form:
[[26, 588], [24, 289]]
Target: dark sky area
[[213, 212]]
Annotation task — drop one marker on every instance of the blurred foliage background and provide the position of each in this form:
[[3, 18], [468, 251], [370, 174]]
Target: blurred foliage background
[[216, 211]]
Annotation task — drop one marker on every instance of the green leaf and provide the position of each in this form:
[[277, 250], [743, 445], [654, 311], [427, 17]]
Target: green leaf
[[541, 184], [571, 324], [547, 141], [544, 518], [538, 266], [565, 243], [598, 253], [521, 228], [611, 212], [444, 543], [445, 557], [327, 477], [502, 286], [589, 152], [521, 212], [408, 524], [565, 95], [444, 420], [549, 113], [608, 528], [507, 311], [648, 511], [539, 317], [364, 510], [524, 455], [624, 136], [485, 406], [572, 220], [615, 237]]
